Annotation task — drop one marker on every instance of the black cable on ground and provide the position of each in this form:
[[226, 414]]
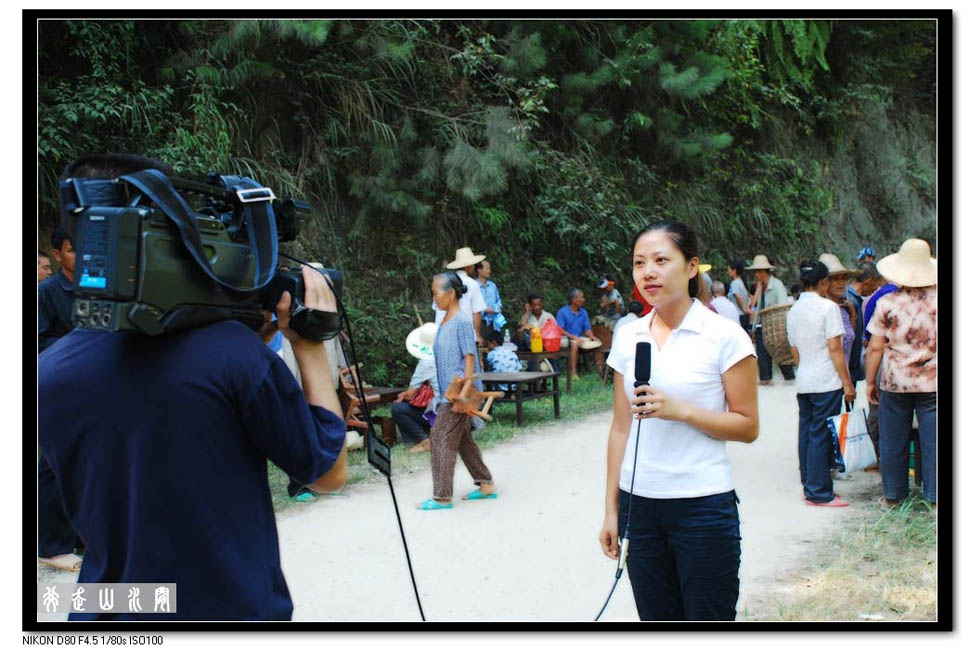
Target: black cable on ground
[[358, 385]]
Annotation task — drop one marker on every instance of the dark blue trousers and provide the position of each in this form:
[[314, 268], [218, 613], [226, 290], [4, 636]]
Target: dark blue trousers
[[410, 422], [764, 360], [684, 556], [55, 536], [895, 425], [815, 443]]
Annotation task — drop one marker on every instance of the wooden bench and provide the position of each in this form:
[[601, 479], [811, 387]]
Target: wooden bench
[[350, 399], [527, 385]]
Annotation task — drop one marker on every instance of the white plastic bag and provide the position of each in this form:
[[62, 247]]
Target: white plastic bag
[[852, 446]]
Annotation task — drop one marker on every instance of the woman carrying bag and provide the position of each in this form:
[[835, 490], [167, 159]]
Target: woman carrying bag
[[815, 333], [903, 329], [668, 476]]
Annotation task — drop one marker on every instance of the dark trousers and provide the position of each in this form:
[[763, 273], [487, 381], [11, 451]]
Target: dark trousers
[[684, 556], [895, 425], [815, 443], [55, 536], [410, 422], [745, 321], [764, 360]]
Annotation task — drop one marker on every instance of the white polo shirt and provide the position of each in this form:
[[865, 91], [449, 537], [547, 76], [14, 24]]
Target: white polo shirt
[[470, 303], [675, 460], [810, 323]]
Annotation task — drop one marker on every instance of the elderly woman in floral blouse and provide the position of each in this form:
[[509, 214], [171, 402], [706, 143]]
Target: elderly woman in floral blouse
[[903, 330]]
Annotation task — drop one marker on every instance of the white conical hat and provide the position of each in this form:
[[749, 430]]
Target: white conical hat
[[912, 266], [835, 266], [465, 257], [760, 263], [420, 341]]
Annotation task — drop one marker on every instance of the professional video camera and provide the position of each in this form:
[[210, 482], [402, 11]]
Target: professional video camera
[[146, 260]]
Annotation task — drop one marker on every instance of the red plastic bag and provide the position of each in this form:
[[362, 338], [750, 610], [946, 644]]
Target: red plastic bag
[[551, 336], [423, 397]]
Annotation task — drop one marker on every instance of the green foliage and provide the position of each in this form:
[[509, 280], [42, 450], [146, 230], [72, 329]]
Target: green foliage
[[545, 144]]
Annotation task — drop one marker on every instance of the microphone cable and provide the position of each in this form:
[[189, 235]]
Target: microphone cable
[[358, 386], [625, 543]]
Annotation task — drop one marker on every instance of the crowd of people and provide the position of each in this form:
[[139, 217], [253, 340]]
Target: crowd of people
[[834, 315]]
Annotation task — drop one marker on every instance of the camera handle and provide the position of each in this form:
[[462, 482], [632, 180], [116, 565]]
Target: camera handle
[[260, 222]]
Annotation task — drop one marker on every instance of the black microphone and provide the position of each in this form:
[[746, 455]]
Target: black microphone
[[641, 370]]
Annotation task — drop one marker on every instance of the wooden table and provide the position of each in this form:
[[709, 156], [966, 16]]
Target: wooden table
[[528, 385], [562, 353]]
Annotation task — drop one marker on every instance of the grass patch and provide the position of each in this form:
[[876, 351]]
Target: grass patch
[[882, 569], [589, 395]]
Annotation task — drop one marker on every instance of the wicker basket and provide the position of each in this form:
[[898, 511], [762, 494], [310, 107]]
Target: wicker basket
[[775, 333]]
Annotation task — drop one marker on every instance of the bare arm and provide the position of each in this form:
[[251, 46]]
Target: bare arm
[[477, 320], [794, 353], [615, 449], [837, 355], [739, 423], [311, 357], [873, 358], [469, 365]]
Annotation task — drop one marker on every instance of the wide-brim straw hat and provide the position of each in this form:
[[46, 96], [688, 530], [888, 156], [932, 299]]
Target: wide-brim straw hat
[[465, 257], [912, 266], [760, 264], [420, 341], [835, 266]]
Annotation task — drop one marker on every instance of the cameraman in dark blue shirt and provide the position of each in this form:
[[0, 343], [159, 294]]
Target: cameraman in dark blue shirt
[[160, 447]]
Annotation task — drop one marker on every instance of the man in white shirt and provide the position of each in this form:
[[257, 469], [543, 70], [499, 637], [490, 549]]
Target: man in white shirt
[[724, 305], [472, 303]]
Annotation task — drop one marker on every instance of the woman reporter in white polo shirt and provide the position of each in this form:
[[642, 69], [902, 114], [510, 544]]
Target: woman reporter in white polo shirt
[[684, 531]]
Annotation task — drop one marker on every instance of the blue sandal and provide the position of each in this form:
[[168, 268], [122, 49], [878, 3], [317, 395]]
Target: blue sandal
[[431, 504], [478, 495]]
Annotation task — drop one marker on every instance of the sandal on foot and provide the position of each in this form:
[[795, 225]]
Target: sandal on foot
[[836, 502], [431, 504], [66, 562], [478, 495]]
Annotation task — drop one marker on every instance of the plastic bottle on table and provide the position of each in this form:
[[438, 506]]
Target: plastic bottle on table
[[536, 342]]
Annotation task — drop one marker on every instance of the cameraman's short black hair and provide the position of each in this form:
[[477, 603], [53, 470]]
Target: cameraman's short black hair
[[58, 238], [112, 165], [107, 165]]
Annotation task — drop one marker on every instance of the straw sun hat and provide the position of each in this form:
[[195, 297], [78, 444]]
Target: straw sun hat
[[760, 264], [836, 269], [465, 257], [912, 266], [420, 341]]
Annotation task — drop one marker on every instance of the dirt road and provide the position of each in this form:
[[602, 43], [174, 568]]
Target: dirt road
[[532, 554]]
